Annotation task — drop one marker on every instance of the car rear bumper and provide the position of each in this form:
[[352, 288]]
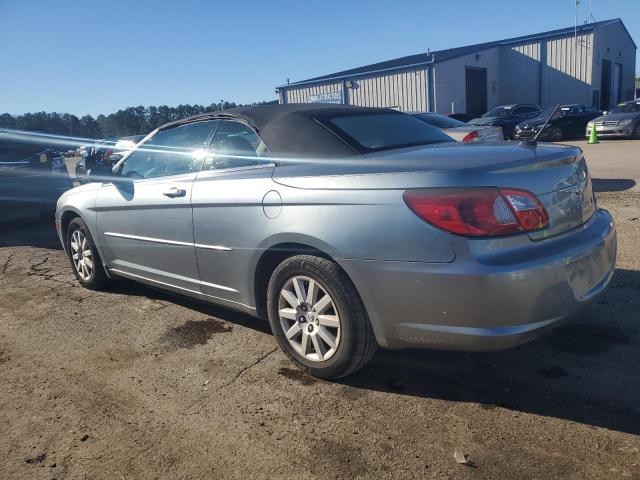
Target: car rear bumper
[[487, 303]]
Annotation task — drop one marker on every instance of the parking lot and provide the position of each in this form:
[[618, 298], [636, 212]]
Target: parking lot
[[134, 383]]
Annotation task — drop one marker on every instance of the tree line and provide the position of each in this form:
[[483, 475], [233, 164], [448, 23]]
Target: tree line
[[129, 121]]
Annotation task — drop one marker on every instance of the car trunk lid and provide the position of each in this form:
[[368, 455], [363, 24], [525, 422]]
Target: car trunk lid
[[556, 174]]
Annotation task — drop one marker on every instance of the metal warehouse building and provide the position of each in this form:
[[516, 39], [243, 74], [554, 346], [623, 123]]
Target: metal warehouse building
[[593, 64]]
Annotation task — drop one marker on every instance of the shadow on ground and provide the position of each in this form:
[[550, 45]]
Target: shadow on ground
[[584, 371], [612, 184], [30, 231], [128, 287]]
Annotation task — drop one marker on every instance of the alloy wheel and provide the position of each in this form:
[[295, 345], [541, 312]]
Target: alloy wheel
[[81, 255], [309, 318]]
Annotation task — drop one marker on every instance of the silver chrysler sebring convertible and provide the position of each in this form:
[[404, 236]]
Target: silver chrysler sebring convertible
[[348, 228]]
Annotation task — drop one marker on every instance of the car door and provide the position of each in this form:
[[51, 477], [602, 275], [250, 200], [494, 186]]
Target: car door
[[144, 219], [228, 216]]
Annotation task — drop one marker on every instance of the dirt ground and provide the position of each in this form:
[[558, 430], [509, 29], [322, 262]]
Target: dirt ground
[[134, 383]]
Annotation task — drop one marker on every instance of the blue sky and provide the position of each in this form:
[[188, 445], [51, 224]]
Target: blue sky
[[96, 56]]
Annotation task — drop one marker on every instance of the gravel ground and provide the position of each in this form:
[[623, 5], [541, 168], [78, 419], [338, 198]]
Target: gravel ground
[[134, 383]]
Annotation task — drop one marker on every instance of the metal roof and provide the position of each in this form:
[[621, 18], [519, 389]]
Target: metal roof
[[430, 58]]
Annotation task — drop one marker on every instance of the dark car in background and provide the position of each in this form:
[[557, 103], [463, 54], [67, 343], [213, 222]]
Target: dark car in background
[[103, 154], [32, 185], [507, 117], [622, 121], [567, 121]]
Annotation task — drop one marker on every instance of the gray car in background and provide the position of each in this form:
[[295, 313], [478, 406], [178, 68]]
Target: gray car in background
[[460, 131], [622, 121], [348, 228]]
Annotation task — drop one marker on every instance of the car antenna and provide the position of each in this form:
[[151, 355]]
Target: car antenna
[[534, 141]]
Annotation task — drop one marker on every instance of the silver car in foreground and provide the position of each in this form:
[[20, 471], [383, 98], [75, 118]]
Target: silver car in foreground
[[348, 228]]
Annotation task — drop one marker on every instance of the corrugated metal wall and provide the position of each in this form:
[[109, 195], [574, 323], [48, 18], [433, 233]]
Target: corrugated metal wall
[[405, 91], [520, 79], [566, 75], [301, 94], [450, 80], [612, 43], [547, 72]]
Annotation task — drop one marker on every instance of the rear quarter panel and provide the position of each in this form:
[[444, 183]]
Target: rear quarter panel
[[344, 224]]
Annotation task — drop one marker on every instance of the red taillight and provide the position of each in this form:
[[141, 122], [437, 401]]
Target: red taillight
[[470, 137], [478, 212]]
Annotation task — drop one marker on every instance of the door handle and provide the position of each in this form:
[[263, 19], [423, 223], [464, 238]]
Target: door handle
[[174, 192]]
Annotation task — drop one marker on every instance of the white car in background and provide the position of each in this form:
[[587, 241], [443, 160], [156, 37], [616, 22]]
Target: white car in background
[[460, 131]]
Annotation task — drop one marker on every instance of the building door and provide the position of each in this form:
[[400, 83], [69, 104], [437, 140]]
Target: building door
[[476, 80], [605, 85], [617, 84]]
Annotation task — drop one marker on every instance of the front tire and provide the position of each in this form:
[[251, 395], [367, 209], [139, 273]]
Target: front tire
[[84, 257], [318, 318]]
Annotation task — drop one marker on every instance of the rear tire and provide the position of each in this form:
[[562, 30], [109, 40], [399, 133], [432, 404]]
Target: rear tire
[[318, 318], [636, 132], [84, 257]]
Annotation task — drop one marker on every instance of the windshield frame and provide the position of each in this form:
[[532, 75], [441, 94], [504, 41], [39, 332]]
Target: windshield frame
[[563, 111]]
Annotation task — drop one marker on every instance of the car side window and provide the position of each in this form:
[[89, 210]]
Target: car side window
[[235, 145], [174, 151]]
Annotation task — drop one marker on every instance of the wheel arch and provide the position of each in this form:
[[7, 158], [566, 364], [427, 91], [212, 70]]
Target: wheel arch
[[269, 259], [65, 220], [272, 257]]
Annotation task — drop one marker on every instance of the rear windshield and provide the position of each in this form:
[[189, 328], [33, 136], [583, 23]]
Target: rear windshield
[[440, 121], [384, 131]]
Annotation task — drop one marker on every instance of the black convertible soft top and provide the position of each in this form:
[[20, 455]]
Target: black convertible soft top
[[293, 130]]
